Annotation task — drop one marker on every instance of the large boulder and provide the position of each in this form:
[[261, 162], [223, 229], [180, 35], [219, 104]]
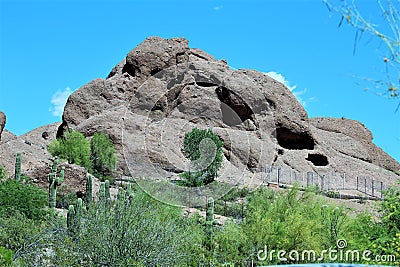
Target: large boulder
[[163, 89]]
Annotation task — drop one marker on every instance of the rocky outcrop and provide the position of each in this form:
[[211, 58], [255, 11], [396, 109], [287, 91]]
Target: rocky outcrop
[[163, 88], [2, 122]]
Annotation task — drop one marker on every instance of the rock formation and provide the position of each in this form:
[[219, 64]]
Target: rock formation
[[163, 89], [2, 122]]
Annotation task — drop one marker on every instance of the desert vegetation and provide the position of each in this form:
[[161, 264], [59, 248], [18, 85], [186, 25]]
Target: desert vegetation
[[133, 229]]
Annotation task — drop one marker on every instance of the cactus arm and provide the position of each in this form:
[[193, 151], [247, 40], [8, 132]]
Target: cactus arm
[[52, 195]]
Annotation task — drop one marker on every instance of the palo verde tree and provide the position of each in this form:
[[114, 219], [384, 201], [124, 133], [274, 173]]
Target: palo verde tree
[[72, 147], [102, 155], [204, 150]]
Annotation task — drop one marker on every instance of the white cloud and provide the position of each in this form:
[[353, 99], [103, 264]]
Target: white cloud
[[58, 101], [280, 78], [216, 8]]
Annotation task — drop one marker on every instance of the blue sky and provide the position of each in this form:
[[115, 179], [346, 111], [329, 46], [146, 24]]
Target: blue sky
[[50, 48]]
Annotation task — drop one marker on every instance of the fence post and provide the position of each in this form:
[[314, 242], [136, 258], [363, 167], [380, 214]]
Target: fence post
[[309, 178], [279, 174], [373, 191], [381, 188], [357, 183], [322, 182], [365, 180]]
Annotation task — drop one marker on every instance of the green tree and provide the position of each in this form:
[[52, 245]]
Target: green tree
[[204, 150], [72, 147], [102, 155]]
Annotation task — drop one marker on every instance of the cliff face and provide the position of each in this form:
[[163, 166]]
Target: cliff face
[[163, 89]]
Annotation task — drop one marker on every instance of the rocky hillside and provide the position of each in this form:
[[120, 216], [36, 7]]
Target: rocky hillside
[[163, 88]]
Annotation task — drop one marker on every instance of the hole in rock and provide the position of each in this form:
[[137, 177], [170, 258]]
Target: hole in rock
[[128, 68], [291, 140], [318, 159], [234, 109]]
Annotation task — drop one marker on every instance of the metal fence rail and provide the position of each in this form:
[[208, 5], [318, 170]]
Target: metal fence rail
[[325, 182]]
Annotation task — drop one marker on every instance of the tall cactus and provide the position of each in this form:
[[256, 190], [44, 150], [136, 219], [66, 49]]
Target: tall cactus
[[54, 182], [107, 189], [209, 224], [89, 190], [71, 217], [18, 167], [102, 192], [74, 216]]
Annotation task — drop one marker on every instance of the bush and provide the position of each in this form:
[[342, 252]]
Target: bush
[[204, 149], [27, 199], [137, 232], [102, 155], [6, 256], [72, 147]]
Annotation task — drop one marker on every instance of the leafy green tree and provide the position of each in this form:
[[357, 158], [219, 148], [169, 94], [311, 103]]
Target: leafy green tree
[[204, 150], [72, 147], [102, 155]]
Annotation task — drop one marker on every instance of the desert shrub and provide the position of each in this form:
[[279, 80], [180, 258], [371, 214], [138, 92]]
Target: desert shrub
[[288, 220], [72, 147], [102, 155], [204, 149], [25, 198], [137, 232], [16, 229]]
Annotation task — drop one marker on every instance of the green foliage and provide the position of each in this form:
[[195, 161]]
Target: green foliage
[[72, 147], [16, 229], [18, 167], [27, 199], [204, 149], [2, 173], [136, 232], [6, 256], [102, 155]]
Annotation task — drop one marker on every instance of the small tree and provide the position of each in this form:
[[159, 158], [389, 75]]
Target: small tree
[[102, 155], [72, 147], [204, 149]]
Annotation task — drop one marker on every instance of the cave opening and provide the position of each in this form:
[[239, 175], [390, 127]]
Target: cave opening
[[291, 140], [318, 159], [234, 109]]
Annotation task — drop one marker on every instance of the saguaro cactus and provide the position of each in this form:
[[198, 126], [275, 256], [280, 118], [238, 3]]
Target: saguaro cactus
[[74, 216], [102, 192], [209, 223], [18, 167], [89, 190], [107, 189], [54, 182], [71, 217]]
